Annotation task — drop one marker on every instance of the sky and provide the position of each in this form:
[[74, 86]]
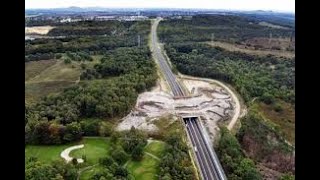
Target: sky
[[275, 5]]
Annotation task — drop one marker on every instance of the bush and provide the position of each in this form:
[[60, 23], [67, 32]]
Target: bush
[[90, 127], [119, 156], [105, 129], [106, 161], [267, 98], [58, 56], [287, 177], [67, 60], [277, 107], [74, 161]]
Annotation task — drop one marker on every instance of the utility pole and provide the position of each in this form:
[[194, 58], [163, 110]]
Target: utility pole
[[212, 38], [139, 40], [291, 37], [270, 37]]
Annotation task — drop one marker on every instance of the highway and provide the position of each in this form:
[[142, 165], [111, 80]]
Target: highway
[[165, 68], [208, 162]]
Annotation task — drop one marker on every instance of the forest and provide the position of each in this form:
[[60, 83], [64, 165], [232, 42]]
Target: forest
[[267, 78], [234, 29], [111, 93], [90, 37]]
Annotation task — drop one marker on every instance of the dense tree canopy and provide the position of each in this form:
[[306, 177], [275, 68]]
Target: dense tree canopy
[[176, 163], [36, 170], [224, 28]]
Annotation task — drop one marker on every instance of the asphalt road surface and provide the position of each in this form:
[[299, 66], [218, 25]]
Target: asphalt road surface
[[208, 162], [165, 68]]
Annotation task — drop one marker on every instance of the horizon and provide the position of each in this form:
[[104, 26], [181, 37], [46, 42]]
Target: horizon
[[167, 8], [287, 6]]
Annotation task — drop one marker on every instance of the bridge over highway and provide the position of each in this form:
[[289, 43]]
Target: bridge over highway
[[206, 158]]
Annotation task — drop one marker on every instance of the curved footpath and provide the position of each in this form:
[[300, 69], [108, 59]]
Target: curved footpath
[[65, 153]]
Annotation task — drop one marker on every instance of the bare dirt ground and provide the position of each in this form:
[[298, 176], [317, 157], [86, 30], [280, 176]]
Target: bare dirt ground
[[41, 30], [211, 101]]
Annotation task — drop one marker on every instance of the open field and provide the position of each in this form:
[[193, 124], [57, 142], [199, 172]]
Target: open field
[[34, 68], [94, 148], [285, 119], [272, 25], [251, 50], [146, 169], [156, 148], [270, 43], [51, 76], [58, 72], [46, 154], [42, 30], [34, 91], [48, 76]]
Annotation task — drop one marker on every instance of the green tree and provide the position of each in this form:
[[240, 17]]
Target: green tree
[[106, 161], [106, 129], [35, 170], [137, 153], [73, 132], [119, 156]]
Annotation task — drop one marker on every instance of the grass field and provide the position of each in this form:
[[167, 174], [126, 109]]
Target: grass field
[[250, 50], [52, 76], [94, 148], [46, 154], [34, 68], [48, 76], [87, 174], [57, 72], [146, 169], [34, 91], [156, 148]]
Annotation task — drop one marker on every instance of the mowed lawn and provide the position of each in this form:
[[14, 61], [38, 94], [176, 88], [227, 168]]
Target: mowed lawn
[[94, 148], [156, 148], [147, 168]]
